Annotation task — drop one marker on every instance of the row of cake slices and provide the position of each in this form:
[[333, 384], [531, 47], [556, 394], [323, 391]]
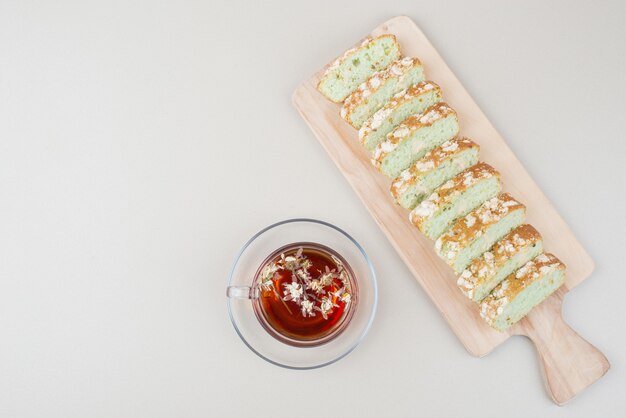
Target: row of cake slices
[[454, 199]]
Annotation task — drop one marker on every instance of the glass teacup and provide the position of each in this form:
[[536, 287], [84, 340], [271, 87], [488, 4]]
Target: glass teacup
[[336, 311], [303, 294]]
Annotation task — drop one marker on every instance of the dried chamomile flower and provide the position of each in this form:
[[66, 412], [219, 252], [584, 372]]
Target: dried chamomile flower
[[307, 308], [345, 279], [306, 264], [267, 276], [336, 260], [317, 286], [303, 274], [293, 291], [291, 262]]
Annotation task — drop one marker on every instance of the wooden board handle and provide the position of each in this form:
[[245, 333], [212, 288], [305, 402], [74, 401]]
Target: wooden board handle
[[569, 362]]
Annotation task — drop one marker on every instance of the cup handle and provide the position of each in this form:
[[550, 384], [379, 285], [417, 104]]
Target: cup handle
[[241, 292]]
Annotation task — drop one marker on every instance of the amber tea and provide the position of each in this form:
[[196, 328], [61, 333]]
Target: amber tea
[[307, 293]]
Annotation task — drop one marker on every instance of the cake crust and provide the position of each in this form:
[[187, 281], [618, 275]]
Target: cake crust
[[468, 228], [448, 191], [431, 115], [359, 97], [400, 98], [494, 304], [486, 266], [431, 161], [349, 54]]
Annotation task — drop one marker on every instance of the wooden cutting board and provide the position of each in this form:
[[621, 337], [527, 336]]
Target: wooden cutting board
[[570, 363]]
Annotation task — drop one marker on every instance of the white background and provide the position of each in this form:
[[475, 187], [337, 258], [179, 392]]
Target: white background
[[141, 143]]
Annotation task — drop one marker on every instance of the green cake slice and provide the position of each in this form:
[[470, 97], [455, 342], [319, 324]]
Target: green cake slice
[[414, 137], [455, 198], [418, 182], [507, 255], [413, 100], [521, 291], [356, 65], [478, 231], [379, 88]]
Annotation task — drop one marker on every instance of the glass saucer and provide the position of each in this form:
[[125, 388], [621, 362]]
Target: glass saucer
[[253, 254]]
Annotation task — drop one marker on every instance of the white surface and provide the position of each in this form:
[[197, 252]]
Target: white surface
[[141, 143]]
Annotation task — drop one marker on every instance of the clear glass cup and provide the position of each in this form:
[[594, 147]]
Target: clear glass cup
[[254, 293], [243, 295]]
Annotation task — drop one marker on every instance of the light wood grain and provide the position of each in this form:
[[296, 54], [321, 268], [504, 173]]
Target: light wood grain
[[544, 326], [569, 363]]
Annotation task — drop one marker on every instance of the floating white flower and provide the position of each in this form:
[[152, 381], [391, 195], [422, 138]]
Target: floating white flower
[[307, 308], [291, 262], [293, 291], [303, 274], [326, 305], [326, 279], [336, 260], [343, 295], [345, 279], [267, 276], [316, 286], [306, 264]]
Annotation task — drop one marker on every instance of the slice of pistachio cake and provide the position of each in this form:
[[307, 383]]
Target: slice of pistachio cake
[[507, 255], [372, 94], [356, 65], [521, 291], [414, 137], [478, 231], [418, 182], [413, 100], [455, 198]]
